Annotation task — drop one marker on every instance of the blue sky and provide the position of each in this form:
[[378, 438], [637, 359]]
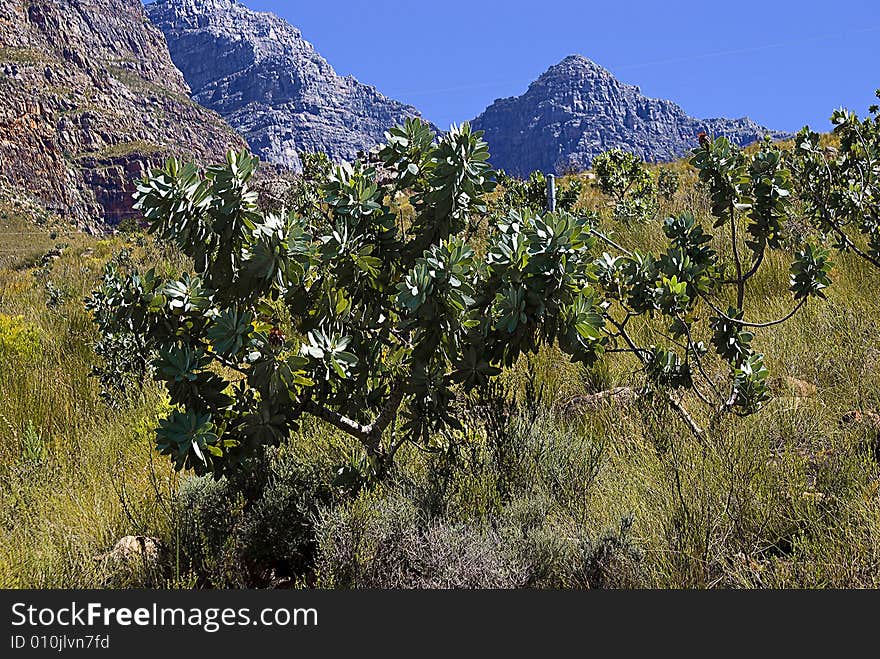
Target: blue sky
[[783, 63]]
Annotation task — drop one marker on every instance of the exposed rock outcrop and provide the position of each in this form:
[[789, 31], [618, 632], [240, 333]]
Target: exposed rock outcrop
[[618, 398], [577, 110], [135, 561], [89, 97], [270, 84]]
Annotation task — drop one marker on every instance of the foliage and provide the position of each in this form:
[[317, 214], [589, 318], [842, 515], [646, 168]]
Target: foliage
[[77, 476], [507, 514], [234, 538], [353, 315], [383, 317], [18, 339], [668, 182], [532, 192], [840, 187], [624, 177], [784, 498], [299, 192], [122, 346], [691, 280], [55, 297]]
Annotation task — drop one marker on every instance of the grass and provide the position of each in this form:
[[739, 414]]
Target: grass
[[27, 232], [135, 82], [525, 496], [25, 56], [74, 475], [123, 149]]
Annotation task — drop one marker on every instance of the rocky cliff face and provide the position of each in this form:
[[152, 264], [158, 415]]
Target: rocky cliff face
[[89, 97], [258, 72], [577, 110]]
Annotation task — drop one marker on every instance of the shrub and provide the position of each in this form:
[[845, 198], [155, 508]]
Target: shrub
[[557, 553], [376, 325], [384, 541], [237, 538], [532, 193], [668, 182], [624, 177], [840, 188], [382, 321], [18, 339]]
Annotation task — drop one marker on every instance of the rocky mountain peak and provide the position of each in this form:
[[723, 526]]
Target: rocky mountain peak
[[577, 109], [575, 65], [258, 72]]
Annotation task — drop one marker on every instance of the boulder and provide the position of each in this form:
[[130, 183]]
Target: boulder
[[617, 398], [136, 552], [790, 386]]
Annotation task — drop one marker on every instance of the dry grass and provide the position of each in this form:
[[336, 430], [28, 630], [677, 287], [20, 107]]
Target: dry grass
[[787, 498]]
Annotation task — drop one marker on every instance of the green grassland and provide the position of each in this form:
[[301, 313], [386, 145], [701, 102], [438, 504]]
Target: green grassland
[[536, 491]]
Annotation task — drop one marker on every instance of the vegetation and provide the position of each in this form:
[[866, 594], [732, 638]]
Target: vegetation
[[389, 319], [625, 178], [547, 473], [123, 149], [385, 317]]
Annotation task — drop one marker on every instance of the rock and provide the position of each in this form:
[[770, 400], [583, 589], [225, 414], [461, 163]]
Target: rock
[[137, 551], [51, 256], [617, 398], [135, 561], [577, 110], [259, 73], [789, 386], [868, 419], [89, 98]]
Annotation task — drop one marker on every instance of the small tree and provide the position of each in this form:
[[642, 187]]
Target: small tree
[[382, 318], [692, 297], [840, 187], [668, 182], [624, 177], [373, 320]]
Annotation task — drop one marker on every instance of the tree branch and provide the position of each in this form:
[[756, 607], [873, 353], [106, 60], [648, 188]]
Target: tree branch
[[847, 241], [345, 424], [692, 349], [608, 240], [388, 413], [850, 245], [685, 416], [370, 435], [743, 323], [751, 273]]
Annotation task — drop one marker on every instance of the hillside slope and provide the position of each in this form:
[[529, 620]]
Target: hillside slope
[[545, 487], [577, 110], [89, 96], [270, 84]]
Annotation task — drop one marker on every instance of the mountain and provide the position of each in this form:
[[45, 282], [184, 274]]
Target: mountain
[[577, 110], [89, 97], [270, 84]]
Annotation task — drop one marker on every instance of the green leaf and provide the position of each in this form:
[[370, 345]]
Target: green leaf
[[229, 331]]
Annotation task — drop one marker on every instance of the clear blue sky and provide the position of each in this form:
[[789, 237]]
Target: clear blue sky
[[783, 63]]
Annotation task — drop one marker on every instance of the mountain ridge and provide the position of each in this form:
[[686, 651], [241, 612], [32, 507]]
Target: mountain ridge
[[91, 99], [577, 109], [257, 71]]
